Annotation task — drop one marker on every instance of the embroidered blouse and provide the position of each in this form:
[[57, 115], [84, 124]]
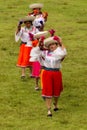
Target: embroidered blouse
[[23, 34], [48, 59]]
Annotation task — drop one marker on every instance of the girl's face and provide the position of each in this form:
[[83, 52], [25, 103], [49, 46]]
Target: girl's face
[[28, 24], [52, 46], [36, 11]]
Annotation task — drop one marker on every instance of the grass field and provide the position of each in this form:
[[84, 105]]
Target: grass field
[[21, 107]]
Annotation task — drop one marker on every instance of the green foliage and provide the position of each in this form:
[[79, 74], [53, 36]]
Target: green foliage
[[21, 107]]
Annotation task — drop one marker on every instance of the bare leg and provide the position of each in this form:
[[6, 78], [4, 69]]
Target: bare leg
[[48, 104], [37, 81], [55, 103], [30, 70], [23, 72]]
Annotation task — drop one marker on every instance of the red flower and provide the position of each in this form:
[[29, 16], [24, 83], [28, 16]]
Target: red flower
[[57, 38]]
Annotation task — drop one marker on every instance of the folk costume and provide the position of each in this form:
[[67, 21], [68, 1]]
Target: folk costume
[[36, 67], [26, 44], [40, 17], [51, 63]]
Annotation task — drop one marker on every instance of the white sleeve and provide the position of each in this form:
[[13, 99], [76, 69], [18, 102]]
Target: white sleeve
[[18, 35], [35, 54], [37, 30], [63, 52], [60, 53]]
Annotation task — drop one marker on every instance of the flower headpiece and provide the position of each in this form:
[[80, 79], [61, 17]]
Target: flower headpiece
[[57, 38]]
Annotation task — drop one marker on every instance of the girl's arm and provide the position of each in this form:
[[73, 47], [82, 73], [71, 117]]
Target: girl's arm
[[18, 31]]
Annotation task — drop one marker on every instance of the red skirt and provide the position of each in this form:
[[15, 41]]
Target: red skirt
[[52, 83], [24, 56]]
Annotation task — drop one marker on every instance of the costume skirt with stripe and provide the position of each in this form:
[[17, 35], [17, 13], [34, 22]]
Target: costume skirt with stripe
[[51, 83], [41, 74], [24, 56]]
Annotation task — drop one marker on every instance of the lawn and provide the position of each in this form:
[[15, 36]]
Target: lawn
[[21, 107]]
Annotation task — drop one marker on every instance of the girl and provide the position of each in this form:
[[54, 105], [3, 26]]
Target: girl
[[40, 17], [51, 63], [26, 45], [36, 67]]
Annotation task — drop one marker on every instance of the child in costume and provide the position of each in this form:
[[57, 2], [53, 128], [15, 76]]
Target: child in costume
[[22, 33], [51, 32], [36, 67], [50, 60], [40, 17]]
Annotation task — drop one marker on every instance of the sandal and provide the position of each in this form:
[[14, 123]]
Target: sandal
[[49, 114], [55, 108], [23, 76], [31, 76], [36, 88]]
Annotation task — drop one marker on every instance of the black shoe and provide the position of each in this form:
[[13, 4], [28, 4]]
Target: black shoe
[[55, 109], [49, 115], [31, 76]]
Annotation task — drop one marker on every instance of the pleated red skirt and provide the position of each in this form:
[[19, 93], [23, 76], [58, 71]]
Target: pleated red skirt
[[24, 56], [52, 83]]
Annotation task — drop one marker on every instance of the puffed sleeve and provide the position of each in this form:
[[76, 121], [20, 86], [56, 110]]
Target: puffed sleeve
[[35, 54], [18, 35], [60, 53]]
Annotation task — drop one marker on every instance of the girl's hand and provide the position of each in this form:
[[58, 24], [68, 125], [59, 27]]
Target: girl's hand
[[52, 32], [58, 39], [19, 26], [41, 44]]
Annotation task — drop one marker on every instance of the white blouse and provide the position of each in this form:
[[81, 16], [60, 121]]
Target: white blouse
[[48, 59], [23, 34]]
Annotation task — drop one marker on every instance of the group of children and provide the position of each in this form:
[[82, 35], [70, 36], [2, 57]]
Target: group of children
[[43, 54], [33, 23]]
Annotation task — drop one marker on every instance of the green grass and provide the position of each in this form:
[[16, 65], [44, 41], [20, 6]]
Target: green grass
[[21, 107]]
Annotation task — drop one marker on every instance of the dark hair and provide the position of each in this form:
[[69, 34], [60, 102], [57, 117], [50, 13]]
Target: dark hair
[[29, 22], [53, 44]]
